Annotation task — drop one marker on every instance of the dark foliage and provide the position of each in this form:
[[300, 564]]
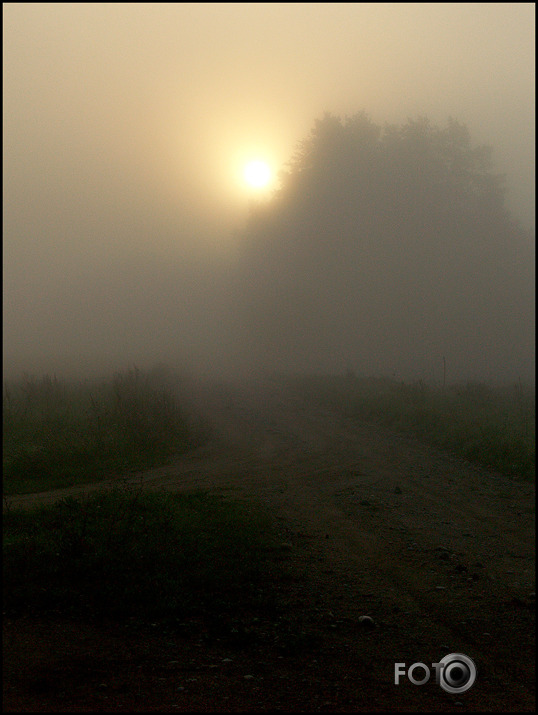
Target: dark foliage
[[127, 554], [387, 248]]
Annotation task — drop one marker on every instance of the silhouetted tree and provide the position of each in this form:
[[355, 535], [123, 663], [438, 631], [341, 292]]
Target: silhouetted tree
[[389, 247]]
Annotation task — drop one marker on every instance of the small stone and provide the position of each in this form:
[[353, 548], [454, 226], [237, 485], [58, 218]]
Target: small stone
[[248, 677], [366, 622]]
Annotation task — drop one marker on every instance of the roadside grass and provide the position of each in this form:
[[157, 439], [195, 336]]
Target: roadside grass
[[135, 554], [491, 426], [57, 434]]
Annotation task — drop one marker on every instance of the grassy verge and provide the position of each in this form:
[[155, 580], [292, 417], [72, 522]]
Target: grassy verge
[[133, 554], [493, 427], [56, 434]]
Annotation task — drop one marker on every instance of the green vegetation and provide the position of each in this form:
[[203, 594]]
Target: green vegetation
[[57, 434], [133, 554], [492, 427]]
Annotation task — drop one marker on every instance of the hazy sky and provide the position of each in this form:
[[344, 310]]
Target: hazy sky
[[127, 125]]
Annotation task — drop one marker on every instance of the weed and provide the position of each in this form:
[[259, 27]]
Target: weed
[[57, 434], [493, 427]]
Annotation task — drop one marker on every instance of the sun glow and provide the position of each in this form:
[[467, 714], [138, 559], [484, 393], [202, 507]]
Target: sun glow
[[257, 174]]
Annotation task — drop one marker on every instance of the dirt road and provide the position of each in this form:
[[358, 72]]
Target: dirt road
[[439, 553]]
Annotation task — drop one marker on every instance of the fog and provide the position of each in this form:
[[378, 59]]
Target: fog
[[387, 244]]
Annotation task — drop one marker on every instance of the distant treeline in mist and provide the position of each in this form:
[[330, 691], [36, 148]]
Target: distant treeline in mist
[[385, 250]]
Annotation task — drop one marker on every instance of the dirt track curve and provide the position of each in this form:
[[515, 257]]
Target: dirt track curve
[[438, 552]]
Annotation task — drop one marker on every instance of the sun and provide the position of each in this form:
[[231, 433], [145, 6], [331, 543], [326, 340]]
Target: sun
[[257, 174]]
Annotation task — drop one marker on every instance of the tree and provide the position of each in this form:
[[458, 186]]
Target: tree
[[388, 246]]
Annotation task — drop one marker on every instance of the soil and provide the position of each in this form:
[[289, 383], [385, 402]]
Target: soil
[[437, 552]]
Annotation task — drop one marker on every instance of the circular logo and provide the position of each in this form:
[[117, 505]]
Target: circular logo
[[458, 673]]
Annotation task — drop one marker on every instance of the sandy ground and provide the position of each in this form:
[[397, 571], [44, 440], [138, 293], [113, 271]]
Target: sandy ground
[[439, 553]]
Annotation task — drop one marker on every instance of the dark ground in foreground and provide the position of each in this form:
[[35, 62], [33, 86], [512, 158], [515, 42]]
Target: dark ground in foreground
[[438, 552]]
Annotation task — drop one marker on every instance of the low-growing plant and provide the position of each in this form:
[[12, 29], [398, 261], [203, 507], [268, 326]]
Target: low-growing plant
[[491, 426], [137, 554], [57, 434]]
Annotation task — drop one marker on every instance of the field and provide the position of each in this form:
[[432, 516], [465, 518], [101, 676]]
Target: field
[[58, 433], [235, 575], [490, 426]]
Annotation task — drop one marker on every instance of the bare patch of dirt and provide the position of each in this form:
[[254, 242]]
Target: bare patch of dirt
[[439, 553]]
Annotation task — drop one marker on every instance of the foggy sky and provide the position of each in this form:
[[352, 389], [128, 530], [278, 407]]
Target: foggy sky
[[126, 127]]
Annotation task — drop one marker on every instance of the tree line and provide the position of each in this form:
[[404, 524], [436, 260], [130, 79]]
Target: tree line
[[385, 248]]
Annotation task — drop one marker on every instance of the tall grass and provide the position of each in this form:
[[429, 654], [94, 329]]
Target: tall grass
[[490, 426], [57, 434], [137, 554]]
